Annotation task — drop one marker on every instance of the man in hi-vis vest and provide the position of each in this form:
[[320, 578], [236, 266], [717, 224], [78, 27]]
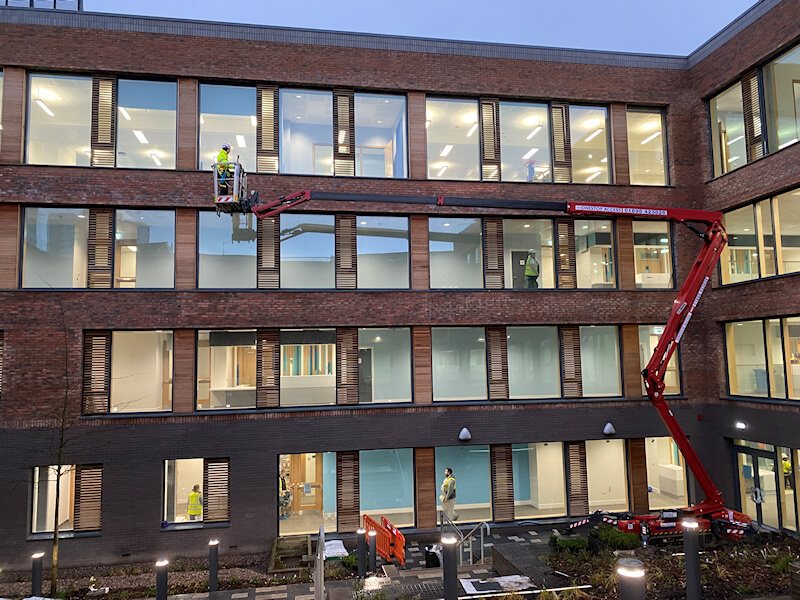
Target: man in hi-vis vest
[[531, 270], [195, 508], [448, 496]]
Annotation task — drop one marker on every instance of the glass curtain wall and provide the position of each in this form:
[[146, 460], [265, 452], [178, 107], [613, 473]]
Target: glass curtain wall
[[472, 471], [766, 238], [647, 146], [787, 224], [589, 144], [739, 260], [309, 501], [533, 362], [226, 369], [55, 248], [649, 336], [727, 131], [782, 99], [453, 138], [607, 475], [666, 474], [775, 358], [308, 249], [226, 246], [520, 238], [183, 479], [228, 115], [594, 254], [306, 122], [46, 482], [308, 367], [652, 254], [600, 364], [147, 124], [59, 127], [539, 487], [525, 142], [456, 253], [381, 146], [459, 363], [144, 249], [382, 246], [384, 365], [791, 336], [386, 485], [747, 361], [788, 497], [141, 371]]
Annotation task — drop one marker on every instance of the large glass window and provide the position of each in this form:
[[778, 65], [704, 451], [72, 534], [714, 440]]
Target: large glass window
[[727, 130], [589, 143], [533, 364], [646, 146], [649, 336], [226, 369], [739, 261], [55, 250], [453, 138], [382, 252], [381, 146], [525, 142], [747, 363], [144, 249], [524, 239], [791, 329], [607, 476], [226, 247], [539, 488], [787, 219], [651, 254], [308, 367], [666, 474], [782, 97], [787, 498], [147, 124], [308, 248], [306, 132], [456, 253], [228, 115], [59, 124], [594, 254], [183, 490], [141, 371], [470, 466], [308, 501], [47, 481], [600, 368], [459, 363], [766, 238], [384, 365], [386, 487], [777, 370]]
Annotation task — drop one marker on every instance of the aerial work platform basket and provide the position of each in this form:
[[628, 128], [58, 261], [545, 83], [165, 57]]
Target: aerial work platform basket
[[230, 189]]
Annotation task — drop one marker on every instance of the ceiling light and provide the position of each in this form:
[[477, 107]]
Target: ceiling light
[[594, 169], [446, 150], [253, 121], [377, 338], [447, 224], [44, 107], [747, 229], [154, 156], [592, 177], [299, 96], [298, 116], [88, 152], [733, 158], [663, 240], [649, 125], [526, 225], [342, 135], [585, 227], [472, 129], [202, 120], [427, 124], [469, 117], [240, 141], [441, 171], [131, 248], [604, 159], [81, 216], [789, 143], [530, 153], [125, 114], [590, 156], [140, 136], [592, 123], [379, 122], [594, 135], [664, 250], [534, 132], [532, 120], [736, 139], [604, 227], [386, 102], [651, 138]]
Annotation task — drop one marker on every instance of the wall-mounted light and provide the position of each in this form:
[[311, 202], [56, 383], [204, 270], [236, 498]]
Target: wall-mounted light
[[464, 435], [609, 429], [740, 425]]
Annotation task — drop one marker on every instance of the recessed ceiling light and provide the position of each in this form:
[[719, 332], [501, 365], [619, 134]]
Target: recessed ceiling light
[[363, 223], [240, 141], [447, 224], [427, 124], [44, 107], [446, 150], [590, 137], [534, 132], [379, 122], [592, 177], [140, 136], [530, 153], [747, 229], [441, 171], [298, 116], [604, 227], [733, 158], [299, 96], [526, 225], [155, 158], [736, 139], [789, 143], [125, 114], [472, 129], [650, 138], [253, 121], [386, 102]]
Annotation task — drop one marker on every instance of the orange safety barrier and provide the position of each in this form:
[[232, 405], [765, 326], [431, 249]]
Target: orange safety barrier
[[383, 539], [398, 541]]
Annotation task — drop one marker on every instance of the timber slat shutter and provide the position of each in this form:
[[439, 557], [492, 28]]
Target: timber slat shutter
[[347, 366], [104, 121], [565, 246], [497, 352], [578, 479], [562, 150], [637, 464], [490, 138], [100, 248], [346, 252], [88, 497], [96, 372], [216, 486], [268, 350], [753, 128], [348, 507], [344, 148], [502, 483], [425, 498], [571, 361], [268, 254], [2, 348], [493, 253], [267, 129]]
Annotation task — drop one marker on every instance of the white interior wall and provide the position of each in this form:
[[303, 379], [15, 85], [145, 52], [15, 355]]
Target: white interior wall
[[606, 473], [136, 371]]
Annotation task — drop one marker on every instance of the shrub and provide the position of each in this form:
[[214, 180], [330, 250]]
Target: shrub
[[350, 562], [573, 545], [782, 564], [611, 538]]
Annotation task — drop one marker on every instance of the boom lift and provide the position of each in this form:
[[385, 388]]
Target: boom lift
[[711, 513]]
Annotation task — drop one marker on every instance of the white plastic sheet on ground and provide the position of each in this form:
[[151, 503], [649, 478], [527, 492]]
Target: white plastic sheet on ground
[[509, 583], [335, 548]]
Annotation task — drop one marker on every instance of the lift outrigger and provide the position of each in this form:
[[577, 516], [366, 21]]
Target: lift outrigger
[[711, 514]]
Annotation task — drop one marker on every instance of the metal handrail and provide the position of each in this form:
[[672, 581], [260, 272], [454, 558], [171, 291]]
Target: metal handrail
[[447, 524]]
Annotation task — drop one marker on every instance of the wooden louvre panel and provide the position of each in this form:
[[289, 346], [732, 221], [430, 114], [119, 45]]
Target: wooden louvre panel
[[268, 249], [267, 129], [96, 372], [631, 361], [346, 252], [104, 120], [347, 492], [497, 351], [185, 248], [502, 483], [626, 268], [344, 127], [619, 138], [578, 479], [493, 253], [88, 497], [425, 479], [490, 139], [216, 490], [2, 348], [565, 246], [268, 375], [101, 247], [420, 252], [423, 365], [184, 379], [751, 103], [637, 465], [9, 245], [562, 151], [347, 366], [571, 361]]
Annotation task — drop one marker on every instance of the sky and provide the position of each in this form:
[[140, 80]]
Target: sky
[[673, 27]]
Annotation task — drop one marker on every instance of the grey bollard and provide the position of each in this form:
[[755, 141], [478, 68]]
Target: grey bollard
[[691, 559], [450, 566], [373, 551], [36, 574], [631, 579], [213, 565], [161, 579], [362, 552]]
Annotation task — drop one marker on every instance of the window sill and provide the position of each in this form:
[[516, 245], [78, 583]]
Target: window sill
[[195, 525], [62, 535], [761, 400]]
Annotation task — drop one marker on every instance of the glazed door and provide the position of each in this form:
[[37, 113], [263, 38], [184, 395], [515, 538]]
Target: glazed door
[[758, 486]]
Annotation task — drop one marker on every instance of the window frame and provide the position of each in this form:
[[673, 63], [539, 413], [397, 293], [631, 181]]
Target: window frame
[[663, 111]]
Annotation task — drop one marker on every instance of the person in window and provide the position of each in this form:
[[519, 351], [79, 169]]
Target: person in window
[[225, 173], [448, 496], [531, 271], [787, 472], [284, 495], [195, 508]]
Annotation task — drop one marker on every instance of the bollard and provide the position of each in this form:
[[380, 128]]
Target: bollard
[[36, 574], [373, 551], [213, 565], [362, 552], [450, 566], [631, 579], [161, 579], [691, 558]]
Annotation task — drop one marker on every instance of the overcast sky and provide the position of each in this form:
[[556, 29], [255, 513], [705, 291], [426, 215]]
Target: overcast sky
[[675, 27]]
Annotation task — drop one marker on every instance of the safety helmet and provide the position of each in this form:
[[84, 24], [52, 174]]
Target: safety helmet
[[785, 457], [531, 251], [226, 146]]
